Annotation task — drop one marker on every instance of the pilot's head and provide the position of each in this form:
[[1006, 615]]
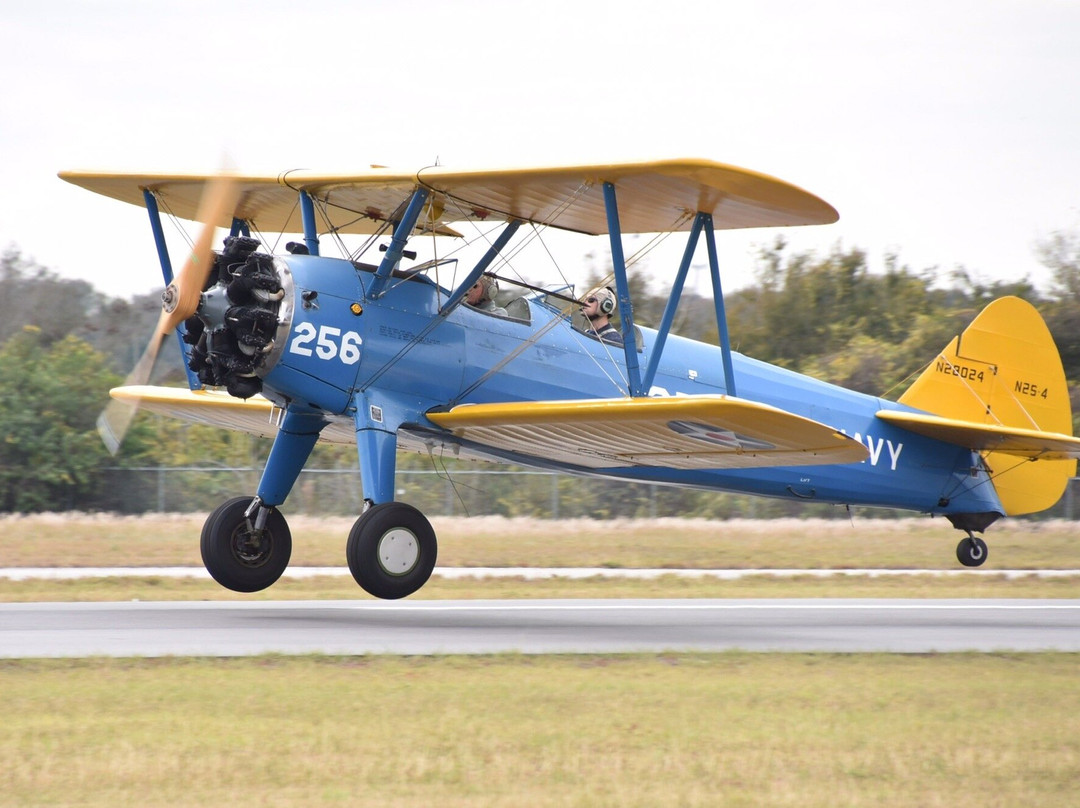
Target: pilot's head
[[482, 291], [599, 304]]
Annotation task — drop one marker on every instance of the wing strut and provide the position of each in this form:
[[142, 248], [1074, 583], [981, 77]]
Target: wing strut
[[454, 300], [639, 386], [622, 290], [492, 253], [672, 304], [154, 212], [167, 273], [307, 216], [402, 230], [718, 301]]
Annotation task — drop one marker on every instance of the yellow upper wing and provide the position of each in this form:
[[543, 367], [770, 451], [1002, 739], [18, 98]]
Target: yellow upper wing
[[656, 196], [686, 432]]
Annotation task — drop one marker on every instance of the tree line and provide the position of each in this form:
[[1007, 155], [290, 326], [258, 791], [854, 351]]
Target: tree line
[[63, 344]]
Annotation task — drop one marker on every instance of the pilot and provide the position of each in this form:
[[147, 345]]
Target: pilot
[[598, 308], [481, 295]]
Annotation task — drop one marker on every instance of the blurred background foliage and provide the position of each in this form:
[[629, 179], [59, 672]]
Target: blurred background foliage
[[63, 345]]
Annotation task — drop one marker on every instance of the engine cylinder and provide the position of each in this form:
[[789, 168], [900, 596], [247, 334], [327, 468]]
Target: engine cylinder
[[234, 331]]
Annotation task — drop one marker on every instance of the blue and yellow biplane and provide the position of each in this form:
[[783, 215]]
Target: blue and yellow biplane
[[387, 352]]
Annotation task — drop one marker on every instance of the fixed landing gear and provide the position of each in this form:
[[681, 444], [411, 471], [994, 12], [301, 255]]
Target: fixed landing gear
[[972, 551], [245, 545], [391, 550]]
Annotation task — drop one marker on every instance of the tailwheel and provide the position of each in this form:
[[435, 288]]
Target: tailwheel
[[243, 551], [972, 551], [391, 550]]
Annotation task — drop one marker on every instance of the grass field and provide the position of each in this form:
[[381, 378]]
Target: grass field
[[730, 729], [74, 540], [678, 730], [102, 540]]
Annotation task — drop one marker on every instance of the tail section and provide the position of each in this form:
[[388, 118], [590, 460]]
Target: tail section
[[1004, 371]]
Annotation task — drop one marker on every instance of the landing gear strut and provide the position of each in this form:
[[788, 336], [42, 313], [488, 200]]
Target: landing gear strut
[[245, 545], [972, 551], [391, 550]]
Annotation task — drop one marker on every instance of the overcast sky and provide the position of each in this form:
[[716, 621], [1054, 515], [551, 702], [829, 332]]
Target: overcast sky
[[944, 132]]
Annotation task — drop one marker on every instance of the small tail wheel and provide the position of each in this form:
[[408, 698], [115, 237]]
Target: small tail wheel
[[239, 556], [391, 550], [972, 551]]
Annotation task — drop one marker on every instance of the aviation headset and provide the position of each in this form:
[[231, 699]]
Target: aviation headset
[[606, 300], [490, 287]]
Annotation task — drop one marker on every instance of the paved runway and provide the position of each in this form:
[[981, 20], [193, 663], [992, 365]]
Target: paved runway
[[535, 573], [534, 626]]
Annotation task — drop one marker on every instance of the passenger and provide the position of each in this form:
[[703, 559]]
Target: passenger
[[598, 308], [481, 295]]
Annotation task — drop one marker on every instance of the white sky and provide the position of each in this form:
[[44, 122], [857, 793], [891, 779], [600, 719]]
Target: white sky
[[946, 132]]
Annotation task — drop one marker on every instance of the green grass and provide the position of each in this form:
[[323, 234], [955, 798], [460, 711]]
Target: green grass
[[732, 729], [102, 540]]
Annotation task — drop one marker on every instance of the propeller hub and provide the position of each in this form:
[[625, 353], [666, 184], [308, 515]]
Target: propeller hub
[[170, 298]]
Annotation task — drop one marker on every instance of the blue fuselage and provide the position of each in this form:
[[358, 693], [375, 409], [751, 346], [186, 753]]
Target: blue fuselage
[[396, 357]]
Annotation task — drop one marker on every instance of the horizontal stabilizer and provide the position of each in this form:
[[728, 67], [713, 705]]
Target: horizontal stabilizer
[[686, 432], [255, 415], [1030, 443]]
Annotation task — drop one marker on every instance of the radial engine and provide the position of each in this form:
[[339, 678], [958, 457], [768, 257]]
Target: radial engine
[[234, 331]]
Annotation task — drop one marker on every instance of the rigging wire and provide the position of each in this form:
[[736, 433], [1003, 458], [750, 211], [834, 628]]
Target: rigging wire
[[164, 205], [565, 315]]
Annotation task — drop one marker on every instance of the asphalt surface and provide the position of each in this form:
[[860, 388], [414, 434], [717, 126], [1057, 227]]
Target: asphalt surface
[[535, 573], [535, 627]]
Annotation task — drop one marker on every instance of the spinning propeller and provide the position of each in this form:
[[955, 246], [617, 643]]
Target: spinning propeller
[[178, 302]]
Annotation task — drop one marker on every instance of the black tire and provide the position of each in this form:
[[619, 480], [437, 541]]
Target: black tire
[[234, 557], [972, 552], [391, 550]]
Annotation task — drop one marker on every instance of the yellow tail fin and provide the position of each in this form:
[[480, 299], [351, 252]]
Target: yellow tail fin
[[1004, 369]]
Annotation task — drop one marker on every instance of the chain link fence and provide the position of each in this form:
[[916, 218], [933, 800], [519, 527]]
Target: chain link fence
[[538, 494]]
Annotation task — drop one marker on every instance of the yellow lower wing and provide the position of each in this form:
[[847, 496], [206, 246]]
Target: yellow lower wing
[[685, 432], [217, 408]]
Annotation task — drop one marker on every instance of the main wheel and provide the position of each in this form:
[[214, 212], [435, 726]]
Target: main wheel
[[236, 555], [391, 550], [972, 551]]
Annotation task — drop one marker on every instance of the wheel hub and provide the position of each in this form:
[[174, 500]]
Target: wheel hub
[[398, 551], [251, 548]]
